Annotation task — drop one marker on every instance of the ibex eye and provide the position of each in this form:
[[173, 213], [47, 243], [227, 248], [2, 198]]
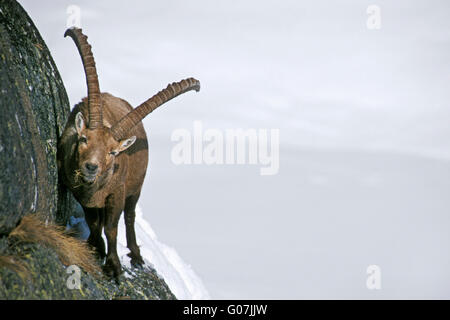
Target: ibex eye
[[113, 153], [82, 139]]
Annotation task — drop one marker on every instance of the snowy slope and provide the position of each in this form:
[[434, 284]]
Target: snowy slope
[[179, 276]]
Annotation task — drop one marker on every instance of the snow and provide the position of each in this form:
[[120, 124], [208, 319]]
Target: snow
[[364, 138], [179, 276]]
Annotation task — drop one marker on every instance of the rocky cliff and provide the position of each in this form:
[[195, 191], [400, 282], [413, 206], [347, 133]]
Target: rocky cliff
[[33, 110]]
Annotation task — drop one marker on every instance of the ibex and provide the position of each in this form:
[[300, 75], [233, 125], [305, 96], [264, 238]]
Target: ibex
[[103, 154]]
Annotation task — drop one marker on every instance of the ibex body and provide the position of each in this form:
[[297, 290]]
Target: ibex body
[[103, 156]]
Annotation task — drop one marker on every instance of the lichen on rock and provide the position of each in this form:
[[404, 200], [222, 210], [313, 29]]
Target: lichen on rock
[[47, 278], [33, 112]]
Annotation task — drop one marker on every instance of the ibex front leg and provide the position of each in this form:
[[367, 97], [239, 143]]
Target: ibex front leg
[[114, 207], [94, 219], [130, 215]]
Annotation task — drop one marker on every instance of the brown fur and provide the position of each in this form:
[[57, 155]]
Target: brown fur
[[32, 229], [118, 183], [104, 162]]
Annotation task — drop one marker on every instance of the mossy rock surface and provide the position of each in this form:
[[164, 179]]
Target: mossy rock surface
[[48, 278], [33, 111]]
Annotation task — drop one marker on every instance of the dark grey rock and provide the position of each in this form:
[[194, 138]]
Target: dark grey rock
[[33, 112]]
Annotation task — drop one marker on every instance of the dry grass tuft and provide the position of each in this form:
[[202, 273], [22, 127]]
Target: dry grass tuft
[[33, 229], [13, 264]]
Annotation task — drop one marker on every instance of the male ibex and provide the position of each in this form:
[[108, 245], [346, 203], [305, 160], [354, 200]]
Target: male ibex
[[103, 154]]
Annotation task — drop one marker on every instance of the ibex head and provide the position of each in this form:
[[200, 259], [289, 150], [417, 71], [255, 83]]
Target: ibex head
[[97, 149], [98, 145]]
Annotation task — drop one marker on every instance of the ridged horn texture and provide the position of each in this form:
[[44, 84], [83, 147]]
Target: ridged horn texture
[[94, 102], [123, 126]]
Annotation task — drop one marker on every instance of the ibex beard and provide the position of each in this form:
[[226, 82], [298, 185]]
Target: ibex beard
[[103, 156]]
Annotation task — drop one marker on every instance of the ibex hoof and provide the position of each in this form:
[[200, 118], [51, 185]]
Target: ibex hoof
[[136, 261], [100, 255], [112, 269]]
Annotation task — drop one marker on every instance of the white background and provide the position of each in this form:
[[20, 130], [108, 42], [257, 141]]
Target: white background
[[364, 128]]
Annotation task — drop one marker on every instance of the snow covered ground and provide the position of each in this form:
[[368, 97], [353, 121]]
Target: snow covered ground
[[179, 276], [364, 138]]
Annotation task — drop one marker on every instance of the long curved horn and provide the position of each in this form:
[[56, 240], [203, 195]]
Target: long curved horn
[[124, 125], [94, 103]]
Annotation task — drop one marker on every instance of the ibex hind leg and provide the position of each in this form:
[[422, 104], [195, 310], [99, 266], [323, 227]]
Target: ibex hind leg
[[130, 215], [95, 220]]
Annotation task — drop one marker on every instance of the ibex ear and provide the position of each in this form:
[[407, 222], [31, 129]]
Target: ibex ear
[[80, 124], [126, 143]]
